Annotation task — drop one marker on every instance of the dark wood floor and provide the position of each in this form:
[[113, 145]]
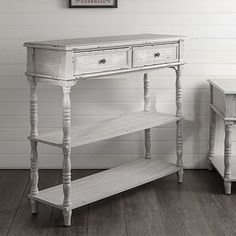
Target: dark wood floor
[[163, 207]]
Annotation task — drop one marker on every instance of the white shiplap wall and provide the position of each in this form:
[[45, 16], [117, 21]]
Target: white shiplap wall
[[210, 52]]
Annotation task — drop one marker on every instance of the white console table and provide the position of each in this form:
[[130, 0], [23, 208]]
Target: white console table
[[64, 63]]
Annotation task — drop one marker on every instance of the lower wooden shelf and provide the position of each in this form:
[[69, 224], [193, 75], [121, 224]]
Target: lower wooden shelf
[[107, 183], [218, 163]]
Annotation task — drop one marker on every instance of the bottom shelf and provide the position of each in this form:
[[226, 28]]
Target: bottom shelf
[[218, 163], [107, 183]]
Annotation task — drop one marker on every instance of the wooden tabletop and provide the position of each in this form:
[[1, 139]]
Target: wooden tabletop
[[226, 86], [77, 43]]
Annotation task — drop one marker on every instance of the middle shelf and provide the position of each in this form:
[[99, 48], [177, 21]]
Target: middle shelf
[[107, 128]]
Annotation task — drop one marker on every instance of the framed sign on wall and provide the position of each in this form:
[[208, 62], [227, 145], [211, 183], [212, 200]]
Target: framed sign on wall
[[93, 3]]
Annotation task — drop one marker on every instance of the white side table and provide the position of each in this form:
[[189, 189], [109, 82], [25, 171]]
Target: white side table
[[223, 104]]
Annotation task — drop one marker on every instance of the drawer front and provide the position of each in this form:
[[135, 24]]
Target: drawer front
[[224, 103], [155, 54], [99, 61]]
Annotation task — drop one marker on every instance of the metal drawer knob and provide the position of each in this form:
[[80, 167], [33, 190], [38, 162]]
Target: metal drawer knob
[[103, 61], [157, 54]]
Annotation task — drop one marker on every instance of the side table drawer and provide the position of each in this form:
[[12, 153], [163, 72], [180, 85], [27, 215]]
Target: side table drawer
[[103, 60], [155, 54], [225, 103]]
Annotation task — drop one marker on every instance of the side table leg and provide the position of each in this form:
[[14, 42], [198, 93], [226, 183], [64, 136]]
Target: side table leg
[[147, 108], [179, 131], [66, 124], [227, 157], [67, 217], [148, 143], [212, 130], [34, 176], [179, 150]]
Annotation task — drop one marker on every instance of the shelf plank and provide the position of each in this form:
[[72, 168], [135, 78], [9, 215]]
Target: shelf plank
[[107, 183], [108, 128], [218, 163]]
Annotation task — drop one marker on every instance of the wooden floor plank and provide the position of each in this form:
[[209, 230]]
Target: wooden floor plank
[[106, 217], [220, 219], [27, 224], [179, 209], [12, 185], [142, 212]]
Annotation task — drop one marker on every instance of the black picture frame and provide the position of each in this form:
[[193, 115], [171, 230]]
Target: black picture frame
[[115, 5]]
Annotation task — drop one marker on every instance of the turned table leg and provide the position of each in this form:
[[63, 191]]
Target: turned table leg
[[212, 130], [147, 108], [227, 156], [66, 124], [34, 176], [179, 132]]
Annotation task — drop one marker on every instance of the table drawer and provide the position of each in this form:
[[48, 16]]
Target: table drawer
[[155, 54], [102, 60], [225, 103]]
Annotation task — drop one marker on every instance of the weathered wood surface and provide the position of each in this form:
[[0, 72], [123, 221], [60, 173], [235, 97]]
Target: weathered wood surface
[[108, 128], [102, 60], [102, 57], [82, 43], [107, 183], [152, 55]]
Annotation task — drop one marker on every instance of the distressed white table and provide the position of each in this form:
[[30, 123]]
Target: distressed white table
[[223, 104], [64, 63]]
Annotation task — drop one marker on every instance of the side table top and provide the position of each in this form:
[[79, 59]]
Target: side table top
[[226, 86], [80, 43]]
